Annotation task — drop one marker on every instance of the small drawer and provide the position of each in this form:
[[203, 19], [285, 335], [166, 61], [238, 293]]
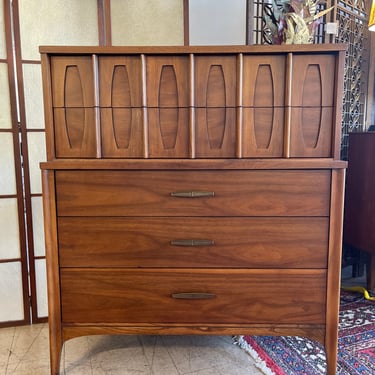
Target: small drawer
[[192, 296], [215, 129], [193, 193], [193, 242], [311, 132], [169, 131], [72, 81], [122, 132], [263, 132], [75, 132], [120, 81]]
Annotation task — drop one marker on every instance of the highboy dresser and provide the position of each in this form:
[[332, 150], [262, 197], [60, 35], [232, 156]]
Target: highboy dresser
[[193, 190]]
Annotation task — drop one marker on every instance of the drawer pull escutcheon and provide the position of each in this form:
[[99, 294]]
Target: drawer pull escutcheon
[[193, 295], [192, 242], [192, 194]]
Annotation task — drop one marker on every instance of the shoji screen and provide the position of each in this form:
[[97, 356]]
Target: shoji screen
[[12, 263], [28, 24], [144, 22], [34, 23], [217, 22], [67, 22]]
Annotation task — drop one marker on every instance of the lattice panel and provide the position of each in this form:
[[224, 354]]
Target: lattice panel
[[257, 34], [255, 22], [352, 17]]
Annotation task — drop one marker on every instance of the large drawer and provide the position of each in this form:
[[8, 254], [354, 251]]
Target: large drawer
[[193, 242], [192, 296], [193, 193]]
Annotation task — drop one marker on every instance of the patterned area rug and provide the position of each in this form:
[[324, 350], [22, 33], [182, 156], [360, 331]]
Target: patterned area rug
[[300, 356]]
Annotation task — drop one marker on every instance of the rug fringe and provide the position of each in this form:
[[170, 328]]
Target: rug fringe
[[259, 362]]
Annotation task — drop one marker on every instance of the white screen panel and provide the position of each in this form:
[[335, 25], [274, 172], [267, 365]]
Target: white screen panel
[[9, 229], [41, 287], [37, 153], [11, 292], [5, 119], [38, 232], [7, 171], [144, 22], [32, 79], [217, 22], [59, 22], [2, 32]]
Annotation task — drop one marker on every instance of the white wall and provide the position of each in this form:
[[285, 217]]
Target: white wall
[[217, 22]]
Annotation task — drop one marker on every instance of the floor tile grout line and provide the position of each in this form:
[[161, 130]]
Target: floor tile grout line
[[21, 359], [10, 351], [89, 350], [169, 354]]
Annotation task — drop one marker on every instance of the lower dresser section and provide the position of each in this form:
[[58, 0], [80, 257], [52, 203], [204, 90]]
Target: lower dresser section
[[194, 251], [108, 296]]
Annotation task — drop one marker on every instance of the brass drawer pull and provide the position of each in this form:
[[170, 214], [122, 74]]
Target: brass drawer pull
[[192, 194], [192, 242], [193, 295]]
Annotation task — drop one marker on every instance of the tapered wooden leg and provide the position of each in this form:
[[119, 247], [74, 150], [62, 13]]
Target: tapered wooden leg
[[52, 262], [331, 355], [334, 270], [55, 347]]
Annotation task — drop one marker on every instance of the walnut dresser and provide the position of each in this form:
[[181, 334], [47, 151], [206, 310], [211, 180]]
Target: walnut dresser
[[193, 190]]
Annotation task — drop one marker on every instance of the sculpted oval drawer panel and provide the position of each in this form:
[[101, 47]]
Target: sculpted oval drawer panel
[[193, 193], [231, 296], [193, 242]]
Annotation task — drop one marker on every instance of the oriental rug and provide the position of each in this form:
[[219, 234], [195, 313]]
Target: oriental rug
[[300, 356]]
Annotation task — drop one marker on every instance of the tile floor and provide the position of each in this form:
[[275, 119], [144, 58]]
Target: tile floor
[[24, 351]]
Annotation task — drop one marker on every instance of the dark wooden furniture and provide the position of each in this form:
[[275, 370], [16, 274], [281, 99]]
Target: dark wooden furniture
[[193, 190], [359, 219]]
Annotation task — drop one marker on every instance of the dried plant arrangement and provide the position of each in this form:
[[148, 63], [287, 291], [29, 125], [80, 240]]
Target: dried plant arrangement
[[292, 21]]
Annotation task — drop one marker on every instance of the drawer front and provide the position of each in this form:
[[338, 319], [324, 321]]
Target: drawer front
[[193, 296], [210, 193], [193, 242]]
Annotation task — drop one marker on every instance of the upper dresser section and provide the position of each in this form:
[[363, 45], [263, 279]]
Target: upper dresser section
[[193, 102]]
